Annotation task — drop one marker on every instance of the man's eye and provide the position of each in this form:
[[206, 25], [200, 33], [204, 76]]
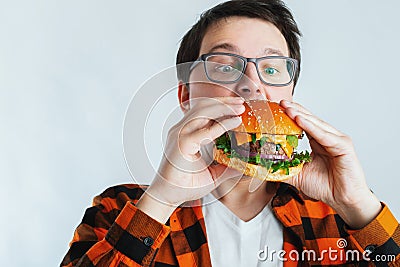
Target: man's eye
[[271, 71], [225, 68]]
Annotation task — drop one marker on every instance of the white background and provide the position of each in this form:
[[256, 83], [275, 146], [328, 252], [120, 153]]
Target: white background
[[68, 70]]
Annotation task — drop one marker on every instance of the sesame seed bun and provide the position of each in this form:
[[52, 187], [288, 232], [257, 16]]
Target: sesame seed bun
[[261, 116]]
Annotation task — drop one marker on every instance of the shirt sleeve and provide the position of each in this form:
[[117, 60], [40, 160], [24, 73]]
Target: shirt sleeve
[[107, 237], [379, 241]]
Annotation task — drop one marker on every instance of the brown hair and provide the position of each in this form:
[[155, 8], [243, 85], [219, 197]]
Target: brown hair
[[273, 11]]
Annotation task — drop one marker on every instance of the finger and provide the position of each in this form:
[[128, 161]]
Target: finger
[[190, 143], [334, 144], [293, 109], [288, 104], [201, 117], [292, 112], [218, 111], [208, 135], [204, 102]]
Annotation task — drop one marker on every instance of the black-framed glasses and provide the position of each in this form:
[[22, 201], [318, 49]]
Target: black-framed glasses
[[229, 68]]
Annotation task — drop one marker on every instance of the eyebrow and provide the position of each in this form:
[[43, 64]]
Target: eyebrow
[[234, 48], [225, 46], [272, 51]]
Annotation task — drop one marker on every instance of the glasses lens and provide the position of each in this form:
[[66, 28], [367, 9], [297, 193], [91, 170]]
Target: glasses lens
[[224, 68], [276, 70]]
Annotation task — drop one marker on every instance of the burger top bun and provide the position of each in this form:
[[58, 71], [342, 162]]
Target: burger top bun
[[262, 116]]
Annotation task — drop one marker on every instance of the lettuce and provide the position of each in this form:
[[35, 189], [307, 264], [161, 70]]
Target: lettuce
[[223, 142]]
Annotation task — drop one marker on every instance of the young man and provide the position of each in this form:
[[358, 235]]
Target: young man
[[329, 202]]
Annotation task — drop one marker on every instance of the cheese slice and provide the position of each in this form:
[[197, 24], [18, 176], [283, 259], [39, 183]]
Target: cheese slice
[[242, 137], [281, 140], [287, 148]]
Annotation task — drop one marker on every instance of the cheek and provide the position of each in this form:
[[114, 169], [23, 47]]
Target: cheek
[[209, 89], [200, 86]]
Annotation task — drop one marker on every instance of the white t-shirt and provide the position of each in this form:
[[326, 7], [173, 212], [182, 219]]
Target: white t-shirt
[[233, 242]]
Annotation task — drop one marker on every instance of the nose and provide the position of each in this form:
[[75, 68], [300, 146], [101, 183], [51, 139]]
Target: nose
[[249, 86]]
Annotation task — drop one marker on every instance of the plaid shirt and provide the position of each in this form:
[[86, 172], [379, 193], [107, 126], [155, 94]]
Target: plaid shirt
[[113, 232]]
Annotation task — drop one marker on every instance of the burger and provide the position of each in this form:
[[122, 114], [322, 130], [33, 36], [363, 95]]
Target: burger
[[264, 145]]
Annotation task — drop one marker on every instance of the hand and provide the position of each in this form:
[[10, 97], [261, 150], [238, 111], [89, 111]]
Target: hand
[[334, 175], [184, 174]]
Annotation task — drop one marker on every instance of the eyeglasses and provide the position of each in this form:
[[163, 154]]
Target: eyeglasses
[[229, 68]]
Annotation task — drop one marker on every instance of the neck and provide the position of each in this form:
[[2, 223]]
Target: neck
[[246, 197]]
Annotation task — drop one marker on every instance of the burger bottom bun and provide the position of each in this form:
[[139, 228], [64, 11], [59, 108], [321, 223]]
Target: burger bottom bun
[[253, 170]]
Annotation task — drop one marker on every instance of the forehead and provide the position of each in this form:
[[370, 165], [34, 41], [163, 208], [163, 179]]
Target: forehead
[[251, 37]]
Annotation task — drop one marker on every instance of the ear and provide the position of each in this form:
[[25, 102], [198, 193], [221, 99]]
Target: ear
[[183, 95]]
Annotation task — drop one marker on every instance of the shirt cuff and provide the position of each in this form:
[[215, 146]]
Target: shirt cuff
[[378, 237], [137, 235]]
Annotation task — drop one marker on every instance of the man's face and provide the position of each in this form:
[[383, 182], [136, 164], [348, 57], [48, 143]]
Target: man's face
[[247, 37]]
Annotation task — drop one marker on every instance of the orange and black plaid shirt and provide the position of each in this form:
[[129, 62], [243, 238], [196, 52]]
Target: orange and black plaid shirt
[[113, 232]]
